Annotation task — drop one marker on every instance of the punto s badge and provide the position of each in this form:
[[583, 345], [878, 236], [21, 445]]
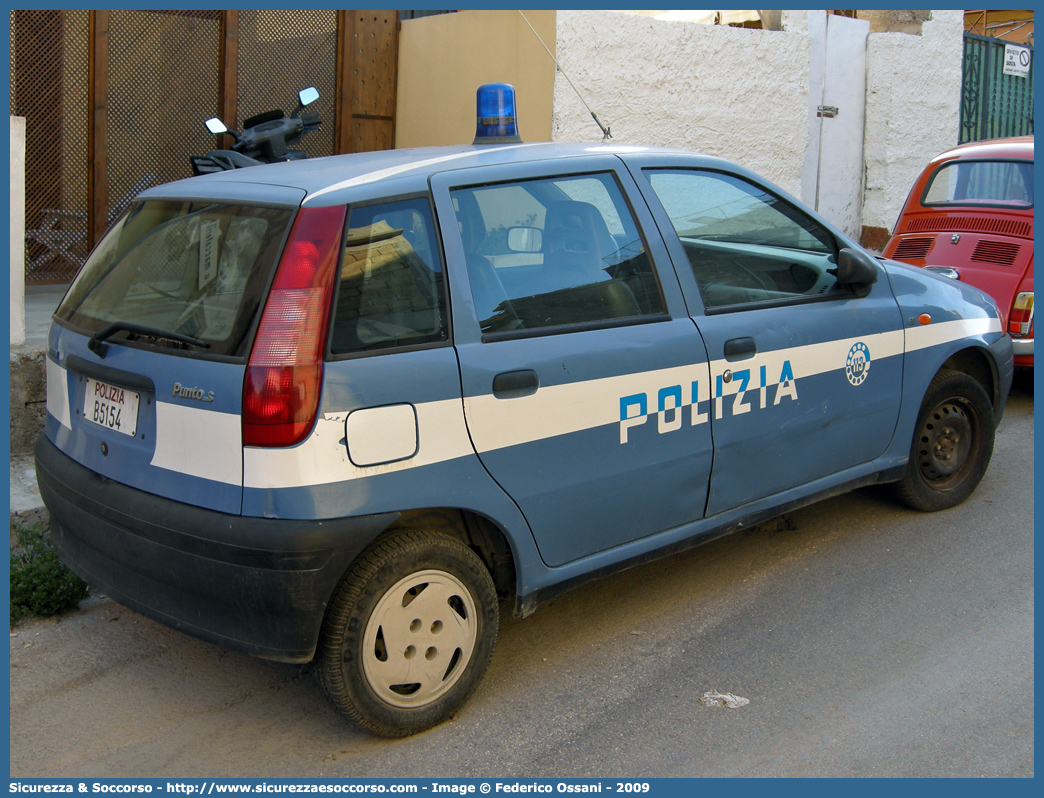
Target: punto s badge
[[198, 394]]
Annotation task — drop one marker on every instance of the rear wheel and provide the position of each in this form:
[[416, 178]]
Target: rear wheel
[[409, 633], [952, 445]]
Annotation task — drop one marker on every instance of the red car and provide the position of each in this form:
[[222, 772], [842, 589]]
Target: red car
[[970, 217]]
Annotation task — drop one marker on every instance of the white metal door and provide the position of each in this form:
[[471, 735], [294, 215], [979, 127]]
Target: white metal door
[[833, 173]]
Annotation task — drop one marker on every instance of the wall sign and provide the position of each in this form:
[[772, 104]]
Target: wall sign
[[1017, 60]]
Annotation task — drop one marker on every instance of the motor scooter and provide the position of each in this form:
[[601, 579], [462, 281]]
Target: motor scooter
[[264, 138]]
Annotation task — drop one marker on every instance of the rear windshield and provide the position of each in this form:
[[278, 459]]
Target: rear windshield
[[993, 183], [196, 269]]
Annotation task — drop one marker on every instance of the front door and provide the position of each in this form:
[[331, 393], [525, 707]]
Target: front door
[[806, 374]]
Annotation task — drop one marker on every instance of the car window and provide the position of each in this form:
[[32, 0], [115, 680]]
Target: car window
[[745, 245], [593, 191], [192, 268], [988, 182], [552, 252], [391, 292]]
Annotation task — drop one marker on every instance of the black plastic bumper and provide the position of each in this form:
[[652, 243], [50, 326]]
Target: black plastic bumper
[[1004, 360], [251, 584]]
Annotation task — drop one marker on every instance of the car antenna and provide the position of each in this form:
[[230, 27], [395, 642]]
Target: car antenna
[[606, 135]]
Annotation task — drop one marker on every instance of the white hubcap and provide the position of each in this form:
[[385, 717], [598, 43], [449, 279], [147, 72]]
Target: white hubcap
[[419, 639]]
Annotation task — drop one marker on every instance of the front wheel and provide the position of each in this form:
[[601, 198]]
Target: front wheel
[[952, 444], [409, 633]]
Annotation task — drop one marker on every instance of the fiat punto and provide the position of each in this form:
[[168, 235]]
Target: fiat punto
[[339, 409]]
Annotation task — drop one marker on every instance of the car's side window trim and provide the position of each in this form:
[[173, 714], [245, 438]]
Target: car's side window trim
[[562, 329], [843, 293]]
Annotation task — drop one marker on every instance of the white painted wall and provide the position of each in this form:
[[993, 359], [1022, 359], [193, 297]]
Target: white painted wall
[[732, 92], [746, 95], [17, 231], [913, 97]]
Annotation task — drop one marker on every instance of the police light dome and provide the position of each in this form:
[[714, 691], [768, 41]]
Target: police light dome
[[496, 123]]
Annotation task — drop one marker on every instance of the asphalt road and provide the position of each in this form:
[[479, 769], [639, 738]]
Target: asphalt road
[[870, 640]]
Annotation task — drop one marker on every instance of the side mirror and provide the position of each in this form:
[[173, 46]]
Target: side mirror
[[856, 269], [525, 239], [216, 126], [308, 96]]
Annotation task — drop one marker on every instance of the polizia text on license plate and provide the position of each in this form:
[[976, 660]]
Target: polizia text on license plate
[[110, 406]]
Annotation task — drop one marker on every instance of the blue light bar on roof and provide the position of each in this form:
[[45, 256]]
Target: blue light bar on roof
[[496, 121]]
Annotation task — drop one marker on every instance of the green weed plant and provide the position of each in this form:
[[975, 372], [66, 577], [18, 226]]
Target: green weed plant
[[41, 584]]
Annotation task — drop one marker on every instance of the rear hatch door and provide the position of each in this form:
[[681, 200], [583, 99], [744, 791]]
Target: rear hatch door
[[147, 351]]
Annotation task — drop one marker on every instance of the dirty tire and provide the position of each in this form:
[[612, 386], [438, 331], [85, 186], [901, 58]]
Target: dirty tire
[[952, 444], [408, 634]]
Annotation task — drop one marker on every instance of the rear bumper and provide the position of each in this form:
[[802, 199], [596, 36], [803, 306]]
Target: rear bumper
[[256, 585], [1023, 349]]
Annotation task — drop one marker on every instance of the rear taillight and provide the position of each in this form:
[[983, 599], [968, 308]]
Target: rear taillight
[[285, 372], [1020, 322]]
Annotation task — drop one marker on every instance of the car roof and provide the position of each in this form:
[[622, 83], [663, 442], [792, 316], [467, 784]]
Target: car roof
[[1020, 147], [331, 179]]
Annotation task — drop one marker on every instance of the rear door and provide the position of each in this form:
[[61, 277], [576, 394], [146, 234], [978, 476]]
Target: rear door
[[584, 380], [146, 357]]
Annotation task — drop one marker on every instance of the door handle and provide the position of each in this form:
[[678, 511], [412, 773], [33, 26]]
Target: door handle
[[513, 384], [740, 349]]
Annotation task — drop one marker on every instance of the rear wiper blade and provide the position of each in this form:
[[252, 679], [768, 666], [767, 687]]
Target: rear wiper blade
[[97, 342]]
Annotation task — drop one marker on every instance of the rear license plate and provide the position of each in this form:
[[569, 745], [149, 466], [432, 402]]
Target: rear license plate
[[111, 407]]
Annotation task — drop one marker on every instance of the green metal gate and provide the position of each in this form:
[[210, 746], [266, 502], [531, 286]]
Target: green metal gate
[[993, 105]]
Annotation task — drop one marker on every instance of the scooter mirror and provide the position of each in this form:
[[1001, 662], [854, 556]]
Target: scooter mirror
[[308, 96], [215, 125]]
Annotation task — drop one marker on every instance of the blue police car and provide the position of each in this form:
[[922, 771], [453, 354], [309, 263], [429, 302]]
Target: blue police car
[[337, 409]]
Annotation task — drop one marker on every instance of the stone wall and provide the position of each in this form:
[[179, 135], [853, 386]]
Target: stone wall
[[28, 400]]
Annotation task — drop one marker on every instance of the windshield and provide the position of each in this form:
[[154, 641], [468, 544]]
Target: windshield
[[995, 183], [197, 269]]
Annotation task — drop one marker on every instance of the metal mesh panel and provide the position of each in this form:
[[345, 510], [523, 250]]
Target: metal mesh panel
[[163, 82], [280, 53], [49, 88], [157, 76]]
